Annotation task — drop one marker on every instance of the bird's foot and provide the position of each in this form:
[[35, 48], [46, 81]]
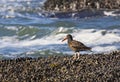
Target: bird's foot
[[75, 56], [78, 55]]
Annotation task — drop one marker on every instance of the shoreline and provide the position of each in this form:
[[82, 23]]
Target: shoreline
[[94, 67]]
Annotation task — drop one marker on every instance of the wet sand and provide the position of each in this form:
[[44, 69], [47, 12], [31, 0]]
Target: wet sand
[[89, 68]]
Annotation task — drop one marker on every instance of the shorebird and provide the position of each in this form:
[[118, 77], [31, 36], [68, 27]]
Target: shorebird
[[76, 46]]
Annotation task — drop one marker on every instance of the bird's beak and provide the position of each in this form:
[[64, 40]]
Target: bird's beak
[[64, 39]]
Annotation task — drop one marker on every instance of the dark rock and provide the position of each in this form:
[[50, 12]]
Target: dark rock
[[77, 14], [77, 5]]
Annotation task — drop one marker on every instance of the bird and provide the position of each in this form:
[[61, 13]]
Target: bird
[[76, 46]]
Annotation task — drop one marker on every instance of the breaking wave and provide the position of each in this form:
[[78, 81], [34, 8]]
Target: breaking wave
[[100, 41], [27, 30]]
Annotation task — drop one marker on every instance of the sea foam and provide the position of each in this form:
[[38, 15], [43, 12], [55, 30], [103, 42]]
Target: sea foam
[[90, 37], [111, 13]]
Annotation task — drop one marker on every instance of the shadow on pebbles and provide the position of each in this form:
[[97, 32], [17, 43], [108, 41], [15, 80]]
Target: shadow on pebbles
[[89, 68]]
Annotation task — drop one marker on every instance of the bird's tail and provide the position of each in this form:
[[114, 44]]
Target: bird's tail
[[89, 48]]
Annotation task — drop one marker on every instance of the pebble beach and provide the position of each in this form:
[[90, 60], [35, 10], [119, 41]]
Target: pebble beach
[[31, 34], [88, 68]]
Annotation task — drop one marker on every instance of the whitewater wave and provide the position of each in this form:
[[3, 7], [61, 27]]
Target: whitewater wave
[[26, 30], [15, 8], [112, 13], [99, 40]]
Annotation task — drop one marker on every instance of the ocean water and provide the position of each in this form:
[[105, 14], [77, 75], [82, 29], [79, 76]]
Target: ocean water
[[28, 31]]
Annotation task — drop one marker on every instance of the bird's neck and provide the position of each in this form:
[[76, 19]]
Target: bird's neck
[[69, 40]]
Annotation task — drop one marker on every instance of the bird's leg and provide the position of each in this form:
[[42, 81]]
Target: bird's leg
[[78, 55], [75, 55]]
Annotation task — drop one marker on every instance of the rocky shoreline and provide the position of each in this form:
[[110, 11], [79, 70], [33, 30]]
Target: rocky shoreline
[[89, 68], [79, 8], [77, 5]]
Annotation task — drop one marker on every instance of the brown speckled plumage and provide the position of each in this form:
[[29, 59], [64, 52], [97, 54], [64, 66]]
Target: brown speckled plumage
[[76, 45]]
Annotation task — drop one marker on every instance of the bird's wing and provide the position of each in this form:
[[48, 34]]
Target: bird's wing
[[77, 44]]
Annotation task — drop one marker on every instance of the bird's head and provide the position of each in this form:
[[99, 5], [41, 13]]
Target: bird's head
[[68, 37]]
